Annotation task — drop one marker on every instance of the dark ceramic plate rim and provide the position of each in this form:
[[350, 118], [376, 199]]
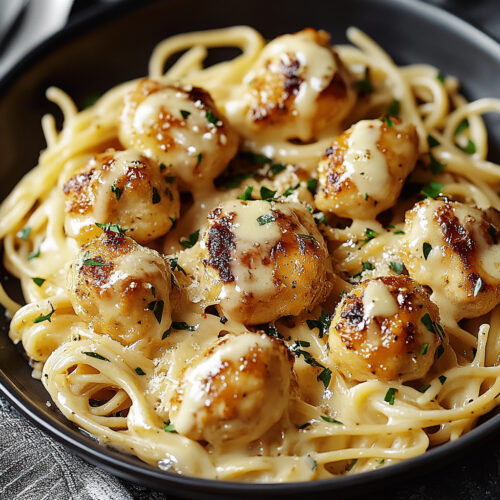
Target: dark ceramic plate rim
[[124, 465]]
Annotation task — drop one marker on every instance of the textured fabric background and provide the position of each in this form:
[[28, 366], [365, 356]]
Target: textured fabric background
[[34, 467]]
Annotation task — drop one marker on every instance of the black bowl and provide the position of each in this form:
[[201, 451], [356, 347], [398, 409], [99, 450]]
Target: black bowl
[[113, 45]]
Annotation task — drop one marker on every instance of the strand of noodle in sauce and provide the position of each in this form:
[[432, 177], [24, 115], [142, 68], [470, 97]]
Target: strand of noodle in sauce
[[366, 432]]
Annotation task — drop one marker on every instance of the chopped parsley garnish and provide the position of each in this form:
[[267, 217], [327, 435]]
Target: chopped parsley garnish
[[397, 267], [166, 333], [34, 255], [442, 379], [493, 233], [211, 118], [394, 108], [433, 189], [331, 420], [439, 330], [288, 191], [352, 464], [174, 222], [157, 307], [95, 355], [478, 287], [440, 351], [24, 233], [169, 427], [314, 464], [428, 323], [192, 239], [432, 141], [170, 179], [114, 228], [267, 194], [38, 281], [87, 261], [305, 425], [462, 126], [399, 232], [319, 218], [424, 387], [156, 196], [366, 196], [184, 113], [436, 166], [139, 371], [175, 265], [272, 331], [198, 158], [167, 192], [369, 235], [365, 86], [367, 266], [424, 349], [162, 166], [325, 375], [276, 168], [390, 395], [266, 219], [47, 317], [153, 291], [247, 194], [469, 148], [440, 77], [322, 323], [387, 119], [426, 248], [118, 192], [312, 185], [182, 325]]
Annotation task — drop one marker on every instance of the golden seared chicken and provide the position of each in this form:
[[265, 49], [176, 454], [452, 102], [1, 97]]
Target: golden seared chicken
[[362, 172], [297, 88], [121, 288], [453, 248], [235, 391], [264, 260], [386, 328], [179, 127], [123, 187]]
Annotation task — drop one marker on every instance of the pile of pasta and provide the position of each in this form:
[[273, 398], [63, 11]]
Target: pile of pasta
[[280, 267]]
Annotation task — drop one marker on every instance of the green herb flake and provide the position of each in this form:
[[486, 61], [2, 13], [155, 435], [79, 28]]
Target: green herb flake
[[272, 331], [156, 196], [424, 349], [331, 420], [182, 325], [34, 255], [166, 333], [325, 376], [247, 194], [442, 379], [169, 427], [394, 108], [314, 464], [436, 166], [433, 189], [312, 185], [319, 218], [185, 114], [440, 351], [139, 371], [478, 287], [305, 425], [432, 141], [462, 126], [157, 307], [397, 267], [390, 395], [162, 166], [367, 266], [110, 227], [170, 179], [428, 323], [469, 148], [440, 77], [95, 355], [266, 219], [267, 194], [198, 158], [24, 233], [424, 388], [173, 220], [276, 168], [399, 232], [352, 464], [38, 281], [369, 235], [175, 265], [211, 118], [192, 239], [88, 261], [493, 233], [118, 192], [288, 191], [322, 323], [47, 317], [365, 86], [426, 248], [386, 119]]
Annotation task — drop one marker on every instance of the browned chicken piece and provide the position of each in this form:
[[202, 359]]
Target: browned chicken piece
[[387, 329], [362, 172], [121, 288], [297, 88], [123, 187], [180, 127], [453, 248], [264, 260], [235, 391]]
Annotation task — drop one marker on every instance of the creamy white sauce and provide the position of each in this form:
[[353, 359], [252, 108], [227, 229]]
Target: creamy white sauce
[[378, 301]]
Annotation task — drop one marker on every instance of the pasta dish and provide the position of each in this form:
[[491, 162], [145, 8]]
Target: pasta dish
[[284, 266]]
